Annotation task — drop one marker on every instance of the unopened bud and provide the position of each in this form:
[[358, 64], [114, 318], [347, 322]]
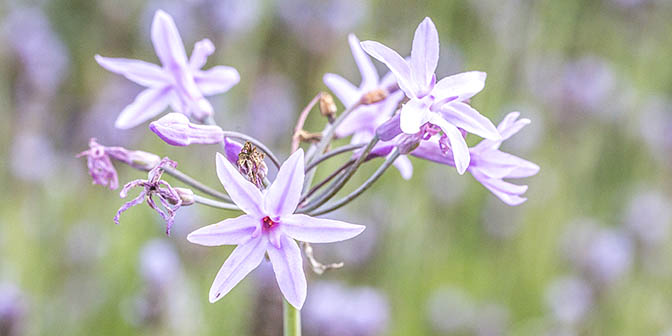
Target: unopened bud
[[251, 164], [175, 129], [373, 96], [327, 106], [134, 158], [186, 195]]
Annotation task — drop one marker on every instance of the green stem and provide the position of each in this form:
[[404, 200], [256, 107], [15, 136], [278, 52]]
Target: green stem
[[291, 320]]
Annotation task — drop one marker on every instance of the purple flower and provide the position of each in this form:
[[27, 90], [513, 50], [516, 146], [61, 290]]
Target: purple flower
[[175, 129], [269, 226], [441, 104], [180, 83], [100, 166], [648, 217], [569, 299], [168, 196], [363, 121], [489, 165], [13, 309]]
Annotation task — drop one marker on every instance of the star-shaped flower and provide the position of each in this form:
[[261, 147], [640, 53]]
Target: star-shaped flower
[[489, 165], [442, 104], [179, 83], [268, 227], [364, 120]]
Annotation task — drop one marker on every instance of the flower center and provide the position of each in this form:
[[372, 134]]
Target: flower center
[[268, 223]]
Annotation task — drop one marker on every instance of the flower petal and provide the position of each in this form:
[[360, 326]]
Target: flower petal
[[167, 41], [288, 269], [430, 150], [245, 194], [231, 231], [147, 105], [404, 166], [389, 129], [318, 230], [463, 85], [202, 49], [240, 263], [413, 115], [347, 93], [363, 119], [457, 144], [284, 194], [364, 64], [216, 80], [467, 118], [509, 193], [394, 62], [141, 72], [425, 53]]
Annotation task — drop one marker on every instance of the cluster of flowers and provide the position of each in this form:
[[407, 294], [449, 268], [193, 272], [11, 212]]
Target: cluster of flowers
[[407, 112]]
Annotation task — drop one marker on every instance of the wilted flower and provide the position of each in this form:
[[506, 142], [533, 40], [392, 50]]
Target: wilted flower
[[169, 197], [333, 309], [180, 83], [175, 129], [363, 121], [441, 105], [268, 227]]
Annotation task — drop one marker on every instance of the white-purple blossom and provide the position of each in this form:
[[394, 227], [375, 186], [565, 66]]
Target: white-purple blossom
[[361, 124], [179, 83], [442, 104], [175, 129], [268, 227]]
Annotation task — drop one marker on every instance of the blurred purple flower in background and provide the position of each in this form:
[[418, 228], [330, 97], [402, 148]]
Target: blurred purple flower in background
[[13, 310], [28, 148], [333, 309], [648, 217], [180, 83], [43, 56], [569, 300], [655, 126], [278, 89], [236, 16], [269, 226], [451, 310], [159, 265]]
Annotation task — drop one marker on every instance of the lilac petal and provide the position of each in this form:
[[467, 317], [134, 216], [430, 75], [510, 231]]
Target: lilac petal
[[240, 263], [507, 192], [464, 85], [429, 150], [457, 144], [389, 129], [147, 104], [175, 129], [288, 269], [413, 114], [128, 205], [404, 166], [232, 150], [510, 126], [362, 119], [467, 118], [283, 196], [395, 63], [497, 164], [202, 49], [217, 79], [245, 194], [425, 53], [167, 41], [524, 169], [231, 231], [347, 93], [364, 64], [318, 230], [143, 73]]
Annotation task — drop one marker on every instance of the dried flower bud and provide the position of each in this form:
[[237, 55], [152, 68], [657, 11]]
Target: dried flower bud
[[327, 106], [175, 129], [251, 164], [134, 158], [309, 137], [186, 195], [373, 96]]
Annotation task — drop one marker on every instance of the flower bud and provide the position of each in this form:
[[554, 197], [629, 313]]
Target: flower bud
[[134, 158], [175, 129], [186, 195], [327, 106], [373, 96]]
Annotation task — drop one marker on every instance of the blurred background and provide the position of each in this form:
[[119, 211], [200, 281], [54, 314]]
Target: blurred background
[[588, 254]]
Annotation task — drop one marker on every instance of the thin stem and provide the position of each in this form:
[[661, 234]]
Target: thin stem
[[332, 153], [336, 186], [291, 320], [215, 204], [296, 138], [326, 180], [328, 133], [257, 143], [367, 184], [196, 184]]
